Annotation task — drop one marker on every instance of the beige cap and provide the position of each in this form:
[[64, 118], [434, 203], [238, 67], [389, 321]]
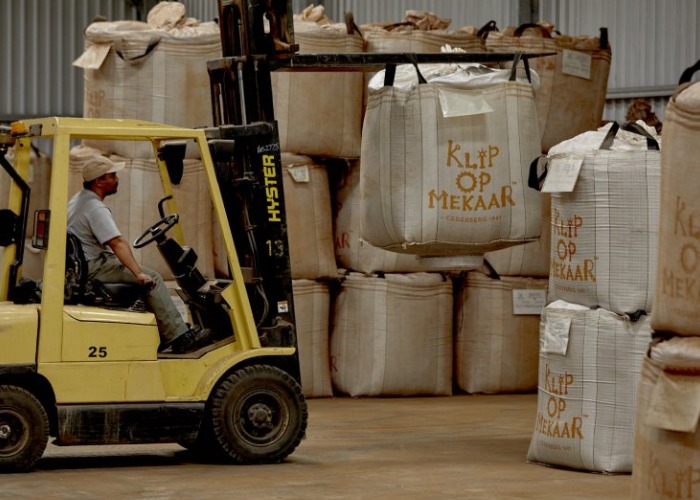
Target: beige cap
[[99, 166]]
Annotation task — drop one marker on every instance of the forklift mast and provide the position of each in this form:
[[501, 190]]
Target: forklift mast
[[246, 151]]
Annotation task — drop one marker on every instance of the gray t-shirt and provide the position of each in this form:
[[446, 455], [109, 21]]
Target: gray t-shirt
[[92, 222]]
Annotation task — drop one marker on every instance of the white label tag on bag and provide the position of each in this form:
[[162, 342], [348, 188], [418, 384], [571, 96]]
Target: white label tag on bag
[[462, 102], [300, 173], [562, 174], [526, 301], [576, 63], [94, 56], [556, 335]]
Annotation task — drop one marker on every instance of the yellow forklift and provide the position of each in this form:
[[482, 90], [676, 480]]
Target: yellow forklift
[[79, 361]]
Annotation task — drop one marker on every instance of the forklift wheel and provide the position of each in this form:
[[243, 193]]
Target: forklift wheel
[[258, 415], [24, 429]]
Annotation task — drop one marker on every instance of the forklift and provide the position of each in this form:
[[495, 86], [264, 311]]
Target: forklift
[[80, 361]]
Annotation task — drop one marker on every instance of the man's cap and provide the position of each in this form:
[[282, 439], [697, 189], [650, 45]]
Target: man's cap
[[98, 166]]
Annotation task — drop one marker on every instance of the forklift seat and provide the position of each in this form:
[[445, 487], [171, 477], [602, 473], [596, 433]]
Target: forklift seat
[[79, 290]]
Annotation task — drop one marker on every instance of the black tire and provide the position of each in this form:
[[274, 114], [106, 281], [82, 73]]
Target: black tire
[[24, 429], [258, 414]]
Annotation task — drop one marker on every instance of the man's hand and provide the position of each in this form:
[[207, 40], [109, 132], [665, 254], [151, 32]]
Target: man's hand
[[146, 280]]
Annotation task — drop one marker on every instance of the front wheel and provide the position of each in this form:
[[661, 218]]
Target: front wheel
[[258, 415], [24, 429]]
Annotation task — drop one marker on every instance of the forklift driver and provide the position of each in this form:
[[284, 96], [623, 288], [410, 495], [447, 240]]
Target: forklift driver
[[109, 257]]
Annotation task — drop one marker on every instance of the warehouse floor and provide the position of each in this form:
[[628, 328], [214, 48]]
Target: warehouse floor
[[409, 448]]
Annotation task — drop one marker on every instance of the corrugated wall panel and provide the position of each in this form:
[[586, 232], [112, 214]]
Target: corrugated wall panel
[[39, 40], [462, 13]]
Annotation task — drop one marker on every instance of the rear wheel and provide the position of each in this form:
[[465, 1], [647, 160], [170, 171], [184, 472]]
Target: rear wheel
[[24, 429], [258, 415]]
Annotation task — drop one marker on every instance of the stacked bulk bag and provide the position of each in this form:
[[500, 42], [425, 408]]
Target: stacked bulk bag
[[574, 81], [677, 301], [497, 333], [154, 71], [354, 254], [605, 218], [302, 101], [392, 335], [312, 314], [530, 259], [135, 206], [307, 202], [420, 32], [589, 369], [445, 161], [667, 434]]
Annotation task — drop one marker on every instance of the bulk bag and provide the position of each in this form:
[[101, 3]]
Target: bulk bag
[[312, 314], [589, 370], [149, 71], [401, 342], [667, 434], [678, 280], [135, 206], [445, 163], [304, 100], [497, 333], [355, 254], [307, 202], [530, 259], [605, 189], [574, 81], [421, 32]]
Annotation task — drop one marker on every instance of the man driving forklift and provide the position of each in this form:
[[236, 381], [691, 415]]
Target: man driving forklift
[[110, 259]]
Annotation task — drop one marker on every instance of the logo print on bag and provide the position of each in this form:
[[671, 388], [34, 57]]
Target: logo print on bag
[[553, 420], [682, 285], [472, 181], [566, 265]]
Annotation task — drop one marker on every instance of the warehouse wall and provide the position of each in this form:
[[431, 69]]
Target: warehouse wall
[[652, 43]]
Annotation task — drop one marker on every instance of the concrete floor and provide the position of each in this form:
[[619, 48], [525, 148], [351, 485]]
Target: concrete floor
[[411, 448]]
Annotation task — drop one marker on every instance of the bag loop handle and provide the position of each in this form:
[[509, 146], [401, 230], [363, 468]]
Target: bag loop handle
[[652, 144], [688, 73], [152, 44], [390, 71], [516, 59], [535, 180], [484, 31]]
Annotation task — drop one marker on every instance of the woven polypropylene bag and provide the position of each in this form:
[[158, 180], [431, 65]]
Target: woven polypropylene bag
[[667, 435], [401, 343], [437, 185], [574, 81], [588, 375], [151, 74], [677, 302], [320, 113], [604, 238]]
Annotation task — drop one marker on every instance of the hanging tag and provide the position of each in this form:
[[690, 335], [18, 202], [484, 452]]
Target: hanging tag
[[94, 56], [527, 301], [458, 102], [562, 174], [300, 173], [576, 63], [675, 403], [556, 335]]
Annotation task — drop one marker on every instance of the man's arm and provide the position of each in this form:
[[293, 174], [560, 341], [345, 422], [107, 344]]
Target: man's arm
[[122, 250]]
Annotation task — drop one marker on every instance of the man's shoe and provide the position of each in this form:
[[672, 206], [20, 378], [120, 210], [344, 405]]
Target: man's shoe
[[191, 340]]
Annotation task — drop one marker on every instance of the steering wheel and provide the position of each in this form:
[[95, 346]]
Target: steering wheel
[[157, 230]]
